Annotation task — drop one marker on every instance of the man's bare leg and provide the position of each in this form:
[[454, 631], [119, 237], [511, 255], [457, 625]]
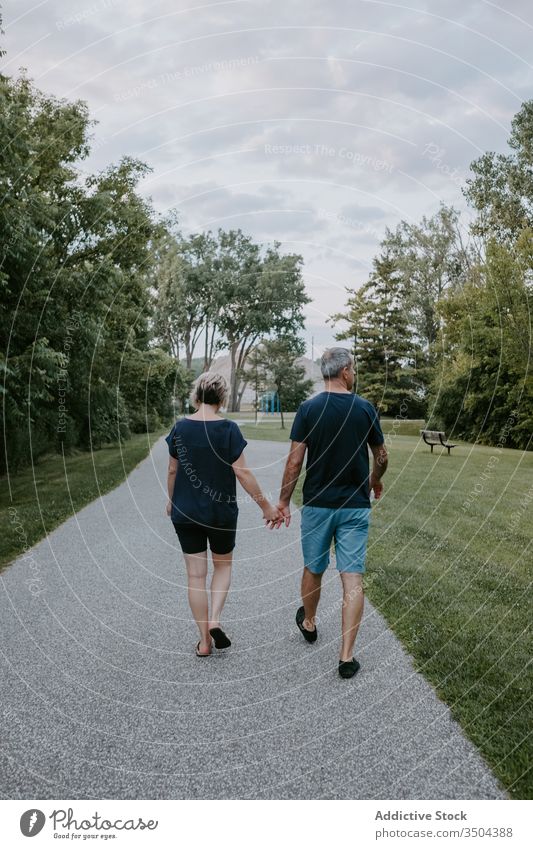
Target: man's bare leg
[[352, 611], [311, 585]]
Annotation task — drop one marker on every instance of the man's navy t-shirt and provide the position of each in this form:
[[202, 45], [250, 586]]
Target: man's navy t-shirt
[[205, 485], [337, 427]]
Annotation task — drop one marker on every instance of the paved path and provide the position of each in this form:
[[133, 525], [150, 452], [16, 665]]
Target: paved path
[[102, 695]]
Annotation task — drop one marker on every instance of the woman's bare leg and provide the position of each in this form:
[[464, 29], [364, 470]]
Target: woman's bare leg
[[219, 585], [197, 574]]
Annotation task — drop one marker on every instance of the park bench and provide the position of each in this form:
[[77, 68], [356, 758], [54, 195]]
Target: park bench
[[436, 437]]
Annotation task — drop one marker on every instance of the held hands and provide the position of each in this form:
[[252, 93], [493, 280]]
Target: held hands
[[285, 511], [277, 516], [272, 516]]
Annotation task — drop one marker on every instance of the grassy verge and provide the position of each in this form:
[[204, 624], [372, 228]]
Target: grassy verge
[[43, 496], [449, 567], [270, 427]]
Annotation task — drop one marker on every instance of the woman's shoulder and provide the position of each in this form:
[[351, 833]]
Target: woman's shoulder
[[234, 427], [228, 424], [179, 428], [224, 425]]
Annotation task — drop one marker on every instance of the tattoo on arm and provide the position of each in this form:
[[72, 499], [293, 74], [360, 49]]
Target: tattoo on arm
[[381, 460]]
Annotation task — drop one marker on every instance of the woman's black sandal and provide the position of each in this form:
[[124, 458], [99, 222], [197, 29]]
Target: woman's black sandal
[[199, 653], [222, 641]]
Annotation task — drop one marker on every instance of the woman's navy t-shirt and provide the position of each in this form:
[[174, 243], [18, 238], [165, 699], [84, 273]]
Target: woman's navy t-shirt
[[205, 485]]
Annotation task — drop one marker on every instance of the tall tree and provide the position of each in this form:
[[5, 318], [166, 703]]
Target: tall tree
[[75, 257], [187, 294], [262, 295], [430, 257], [501, 189], [256, 374], [276, 361], [384, 351], [199, 253], [483, 387]]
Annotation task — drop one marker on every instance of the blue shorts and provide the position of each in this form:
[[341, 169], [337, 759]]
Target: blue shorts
[[346, 526]]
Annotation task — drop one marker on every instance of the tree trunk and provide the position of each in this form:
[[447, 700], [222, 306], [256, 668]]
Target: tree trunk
[[239, 351], [211, 345], [206, 360], [240, 394], [188, 350], [233, 378]]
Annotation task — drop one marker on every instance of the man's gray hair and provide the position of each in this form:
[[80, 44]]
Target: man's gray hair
[[333, 361]]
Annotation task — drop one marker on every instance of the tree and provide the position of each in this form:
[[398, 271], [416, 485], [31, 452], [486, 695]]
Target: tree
[[148, 383], [262, 295], [76, 253], [483, 387], [168, 282], [275, 359], [385, 354], [186, 294], [256, 373], [501, 190], [430, 257]]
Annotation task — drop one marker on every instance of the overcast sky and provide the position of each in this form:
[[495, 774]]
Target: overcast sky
[[317, 124]]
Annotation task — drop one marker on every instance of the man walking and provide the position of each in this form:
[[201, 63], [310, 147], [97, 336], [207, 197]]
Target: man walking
[[335, 428]]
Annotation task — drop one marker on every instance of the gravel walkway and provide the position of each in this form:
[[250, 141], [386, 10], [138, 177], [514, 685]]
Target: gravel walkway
[[103, 697]]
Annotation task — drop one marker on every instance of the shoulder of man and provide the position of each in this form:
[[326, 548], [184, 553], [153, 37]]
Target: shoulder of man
[[366, 405], [303, 409], [310, 402]]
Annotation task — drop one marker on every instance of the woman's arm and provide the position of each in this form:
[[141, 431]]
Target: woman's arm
[[248, 481], [171, 478]]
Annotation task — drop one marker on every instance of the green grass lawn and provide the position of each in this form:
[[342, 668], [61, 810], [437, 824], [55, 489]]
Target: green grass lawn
[[450, 568], [36, 500], [269, 427]]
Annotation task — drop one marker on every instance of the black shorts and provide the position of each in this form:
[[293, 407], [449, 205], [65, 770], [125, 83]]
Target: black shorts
[[193, 538]]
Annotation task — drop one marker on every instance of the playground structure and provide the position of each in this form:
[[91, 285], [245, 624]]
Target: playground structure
[[269, 403]]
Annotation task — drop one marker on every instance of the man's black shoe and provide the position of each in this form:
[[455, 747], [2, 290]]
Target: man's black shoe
[[310, 636], [348, 668]]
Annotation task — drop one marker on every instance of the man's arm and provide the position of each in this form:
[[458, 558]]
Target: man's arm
[[379, 467], [291, 474], [171, 477], [248, 481]]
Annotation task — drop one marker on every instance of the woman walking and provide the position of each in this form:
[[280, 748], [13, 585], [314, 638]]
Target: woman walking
[[206, 458]]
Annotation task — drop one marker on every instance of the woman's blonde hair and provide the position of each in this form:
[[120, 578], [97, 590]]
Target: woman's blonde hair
[[210, 388]]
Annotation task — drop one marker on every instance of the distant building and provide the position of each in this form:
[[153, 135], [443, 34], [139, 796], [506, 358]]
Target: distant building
[[312, 372]]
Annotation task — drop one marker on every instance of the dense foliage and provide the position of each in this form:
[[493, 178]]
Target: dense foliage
[[442, 328], [78, 367], [227, 290], [104, 302]]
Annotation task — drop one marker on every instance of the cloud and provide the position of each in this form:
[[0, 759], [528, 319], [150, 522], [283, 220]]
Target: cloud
[[316, 124]]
